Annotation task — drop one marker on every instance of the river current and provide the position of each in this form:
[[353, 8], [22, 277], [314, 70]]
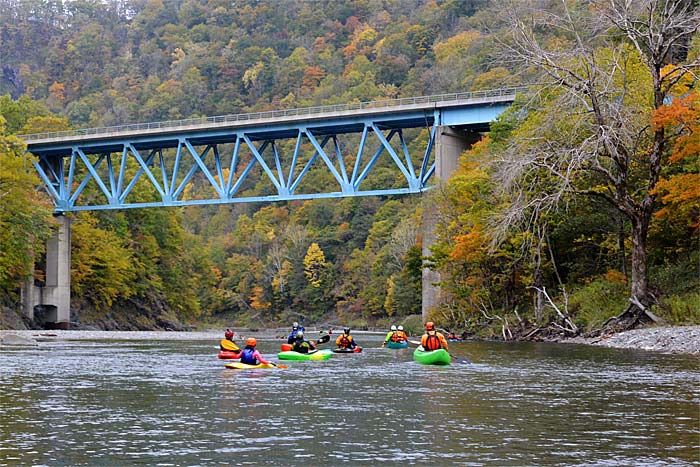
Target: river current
[[109, 403]]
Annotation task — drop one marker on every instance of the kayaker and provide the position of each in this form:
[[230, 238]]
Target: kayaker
[[391, 332], [452, 337], [399, 335], [295, 329], [345, 340], [250, 354], [227, 342], [432, 340], [301, 345]]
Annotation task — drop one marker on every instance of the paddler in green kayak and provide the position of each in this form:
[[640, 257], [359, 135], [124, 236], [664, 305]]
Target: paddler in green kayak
[[301, 345], [432, 340]]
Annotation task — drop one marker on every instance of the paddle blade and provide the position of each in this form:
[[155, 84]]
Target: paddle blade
[[463, 360], [282, 366], [228, 345]]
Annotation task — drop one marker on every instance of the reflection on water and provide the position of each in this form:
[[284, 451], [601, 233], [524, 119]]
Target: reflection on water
[[174, 403]]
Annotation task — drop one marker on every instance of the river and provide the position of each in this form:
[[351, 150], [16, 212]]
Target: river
[[108, 403]]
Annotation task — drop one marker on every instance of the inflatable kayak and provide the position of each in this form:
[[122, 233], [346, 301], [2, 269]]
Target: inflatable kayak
[[357, 349], [229, 354], [324, 354], [245, 366], [397, 345], [432, 357]]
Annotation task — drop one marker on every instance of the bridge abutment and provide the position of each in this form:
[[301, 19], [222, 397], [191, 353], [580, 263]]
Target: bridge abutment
[[449, 144], [53, 299]]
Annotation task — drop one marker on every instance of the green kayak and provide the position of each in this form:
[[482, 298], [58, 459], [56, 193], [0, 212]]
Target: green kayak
[[324, 354], [397, 345], [432, 357]]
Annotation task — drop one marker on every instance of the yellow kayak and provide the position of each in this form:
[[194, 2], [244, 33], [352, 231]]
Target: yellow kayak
[[245, 366]]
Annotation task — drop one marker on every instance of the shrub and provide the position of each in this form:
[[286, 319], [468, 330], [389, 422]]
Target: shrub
[[595, 302]]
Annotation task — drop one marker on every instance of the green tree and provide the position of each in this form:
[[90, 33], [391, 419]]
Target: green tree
[[25, 215]]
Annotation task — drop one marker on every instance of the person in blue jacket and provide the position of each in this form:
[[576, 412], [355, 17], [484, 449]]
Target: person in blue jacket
[[250, 354], [292, 335]]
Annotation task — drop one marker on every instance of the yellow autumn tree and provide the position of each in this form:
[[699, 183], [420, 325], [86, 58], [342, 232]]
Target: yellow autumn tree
[[315, 265]]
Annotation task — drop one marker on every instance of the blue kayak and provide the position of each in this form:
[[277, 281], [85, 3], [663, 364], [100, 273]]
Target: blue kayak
[[397, 345]]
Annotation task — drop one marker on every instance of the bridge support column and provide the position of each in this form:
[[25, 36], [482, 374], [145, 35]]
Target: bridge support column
[[449, 144], [56, 293]]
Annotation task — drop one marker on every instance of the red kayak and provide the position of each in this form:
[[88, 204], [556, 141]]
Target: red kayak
[[357, 349], [229, 355]]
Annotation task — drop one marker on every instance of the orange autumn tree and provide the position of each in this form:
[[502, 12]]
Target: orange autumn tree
[[679, 187], [480, 280]]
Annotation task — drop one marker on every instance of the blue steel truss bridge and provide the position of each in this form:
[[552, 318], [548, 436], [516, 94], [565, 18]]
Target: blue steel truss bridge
[[368, 148]]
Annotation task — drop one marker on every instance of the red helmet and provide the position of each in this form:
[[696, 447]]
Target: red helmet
[[228, 334], [429, 325], [251, 342]]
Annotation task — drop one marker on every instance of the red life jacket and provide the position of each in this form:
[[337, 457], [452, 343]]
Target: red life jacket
[[344, 341], [396, 337], [432, 342]]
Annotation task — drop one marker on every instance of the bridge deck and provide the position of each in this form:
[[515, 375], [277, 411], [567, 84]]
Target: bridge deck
[[340, 118]]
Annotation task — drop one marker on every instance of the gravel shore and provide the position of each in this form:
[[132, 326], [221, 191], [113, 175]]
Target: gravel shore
[[673, 339]]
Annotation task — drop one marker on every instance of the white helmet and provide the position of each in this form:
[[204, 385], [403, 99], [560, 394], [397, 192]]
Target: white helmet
[[400, 328], [393, 327]]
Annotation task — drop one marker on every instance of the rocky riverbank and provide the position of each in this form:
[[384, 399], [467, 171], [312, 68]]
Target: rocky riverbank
[[673, 339]]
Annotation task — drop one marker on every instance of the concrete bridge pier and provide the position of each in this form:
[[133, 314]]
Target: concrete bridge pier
[[53, 300], [449, 144]]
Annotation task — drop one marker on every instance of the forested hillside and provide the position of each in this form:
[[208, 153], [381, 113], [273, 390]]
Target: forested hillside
[[521, 249]]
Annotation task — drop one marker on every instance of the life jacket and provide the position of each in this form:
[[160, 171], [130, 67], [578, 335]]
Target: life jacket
[[397, 336], [301, 346], [432, 342], [345, 341], [247, 356]]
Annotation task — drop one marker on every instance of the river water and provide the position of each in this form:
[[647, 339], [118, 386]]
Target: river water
[[109, 403]]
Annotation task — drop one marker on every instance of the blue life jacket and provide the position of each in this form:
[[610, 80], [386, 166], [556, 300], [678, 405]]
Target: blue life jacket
[[247, 356]]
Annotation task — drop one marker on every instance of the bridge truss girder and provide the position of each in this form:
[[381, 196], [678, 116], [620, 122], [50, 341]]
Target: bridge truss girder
[[223, 170]]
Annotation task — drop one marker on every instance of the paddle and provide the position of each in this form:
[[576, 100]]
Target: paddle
[[323, 339], [463, 360], [229, 345], [278, 366]]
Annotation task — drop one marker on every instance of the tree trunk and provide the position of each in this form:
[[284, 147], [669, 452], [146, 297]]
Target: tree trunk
[[640, 281], [621, 244]]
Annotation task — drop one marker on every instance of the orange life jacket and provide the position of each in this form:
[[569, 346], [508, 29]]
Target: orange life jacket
[[396, 336], [432, 342], [344, 342]]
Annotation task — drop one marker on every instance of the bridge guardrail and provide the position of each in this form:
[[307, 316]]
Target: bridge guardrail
[[302, 111]]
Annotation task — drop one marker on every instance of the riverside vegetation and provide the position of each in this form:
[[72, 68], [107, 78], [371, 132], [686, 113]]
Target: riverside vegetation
[[577, 213]]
